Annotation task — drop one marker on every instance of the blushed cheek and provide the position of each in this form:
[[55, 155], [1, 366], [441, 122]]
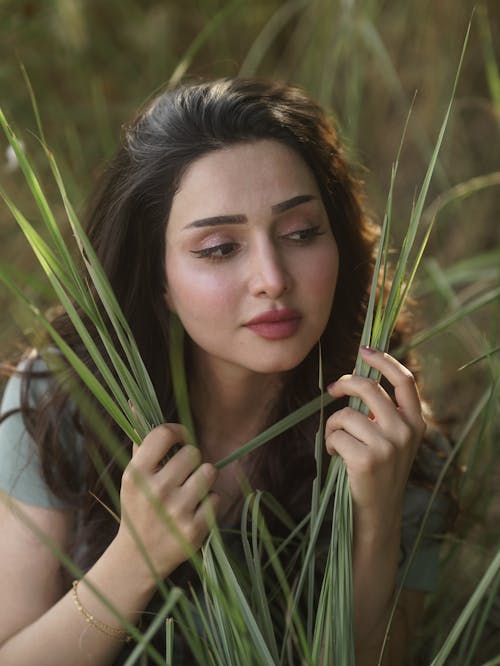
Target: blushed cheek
[[322, 279], [200, 296]]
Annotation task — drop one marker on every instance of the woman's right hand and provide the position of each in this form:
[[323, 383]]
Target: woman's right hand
[[167, 509]]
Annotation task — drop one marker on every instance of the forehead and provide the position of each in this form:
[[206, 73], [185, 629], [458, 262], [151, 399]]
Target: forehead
[[242, 178]]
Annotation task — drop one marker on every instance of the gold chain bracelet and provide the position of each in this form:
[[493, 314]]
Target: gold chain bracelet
[[107, 629]]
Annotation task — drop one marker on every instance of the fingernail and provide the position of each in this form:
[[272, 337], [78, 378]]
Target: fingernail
[[367, 350], [330, 386]]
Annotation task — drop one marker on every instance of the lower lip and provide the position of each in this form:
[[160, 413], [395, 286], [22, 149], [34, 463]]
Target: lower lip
[[275, 330]]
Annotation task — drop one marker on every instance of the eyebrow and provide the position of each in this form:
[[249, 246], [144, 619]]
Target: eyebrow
[[218, 220]]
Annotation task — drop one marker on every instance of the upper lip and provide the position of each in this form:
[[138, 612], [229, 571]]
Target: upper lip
[[273, 316]]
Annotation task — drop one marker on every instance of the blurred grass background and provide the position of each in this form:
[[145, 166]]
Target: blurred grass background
[[93, 62]]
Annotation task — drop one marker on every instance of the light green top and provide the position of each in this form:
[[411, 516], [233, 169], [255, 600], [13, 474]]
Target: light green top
[[21, 477]]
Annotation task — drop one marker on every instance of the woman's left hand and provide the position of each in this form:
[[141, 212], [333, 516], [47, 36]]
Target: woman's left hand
[[378, 449]]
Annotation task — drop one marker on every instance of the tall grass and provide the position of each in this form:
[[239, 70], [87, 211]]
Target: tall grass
[[359, 45]]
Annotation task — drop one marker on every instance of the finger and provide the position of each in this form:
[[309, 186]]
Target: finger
[[180, 466], [347, 446], [405, 386], [157, 444], [198, 485], [205, 514], [371, 393], [356, 424]]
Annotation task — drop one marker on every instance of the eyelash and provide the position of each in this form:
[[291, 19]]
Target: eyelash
[[227, 249]]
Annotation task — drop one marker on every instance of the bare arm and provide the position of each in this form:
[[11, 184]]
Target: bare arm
[[37, 623], [40, 625]]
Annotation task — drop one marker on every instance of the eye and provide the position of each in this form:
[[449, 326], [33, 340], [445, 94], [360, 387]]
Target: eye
[[216, 252], [304, 235]]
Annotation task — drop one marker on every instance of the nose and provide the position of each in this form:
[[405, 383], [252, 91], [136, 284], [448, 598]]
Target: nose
[[268, 273]]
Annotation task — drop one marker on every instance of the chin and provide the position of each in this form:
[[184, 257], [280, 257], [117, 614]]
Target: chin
[[280, 365]]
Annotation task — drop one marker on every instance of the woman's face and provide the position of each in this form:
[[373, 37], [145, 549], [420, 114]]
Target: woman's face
[[251, 259]]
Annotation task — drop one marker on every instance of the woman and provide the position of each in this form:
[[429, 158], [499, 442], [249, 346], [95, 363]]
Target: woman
[[230, 206]]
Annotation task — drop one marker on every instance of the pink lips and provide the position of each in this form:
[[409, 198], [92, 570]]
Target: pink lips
[[275, 324]]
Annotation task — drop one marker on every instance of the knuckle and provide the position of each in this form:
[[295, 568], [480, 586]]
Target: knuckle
[[340, 416], [330, 447], [209, 471], [372, 385], [130, 475], [338, 439], [408, 374], [172, 432], [331, 441], [163, 430], [405, 433]]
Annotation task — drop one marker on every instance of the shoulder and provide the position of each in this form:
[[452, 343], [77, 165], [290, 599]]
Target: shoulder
[[34, 368], [21, 473]]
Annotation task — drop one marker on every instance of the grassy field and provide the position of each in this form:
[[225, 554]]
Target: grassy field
[[92, 63]]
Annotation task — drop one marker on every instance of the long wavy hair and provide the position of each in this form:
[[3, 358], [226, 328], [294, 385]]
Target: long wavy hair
[[126, 223]]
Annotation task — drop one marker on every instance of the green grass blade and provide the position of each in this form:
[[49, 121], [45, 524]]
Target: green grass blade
[[86, 376], [199, 41], [480, 406], [445, 323], [482, 588], [277, 428], [178, 374], [144, 398], [145, 638], [37, 192], [489, 353]]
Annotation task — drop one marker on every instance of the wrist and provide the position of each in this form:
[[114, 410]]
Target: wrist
[[377, 536], [126, 558]]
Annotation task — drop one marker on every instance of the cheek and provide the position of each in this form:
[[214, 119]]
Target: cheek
[[320, 276], [197, 294]]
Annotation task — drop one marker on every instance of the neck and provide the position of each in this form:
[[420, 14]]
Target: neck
[[230, 407]]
